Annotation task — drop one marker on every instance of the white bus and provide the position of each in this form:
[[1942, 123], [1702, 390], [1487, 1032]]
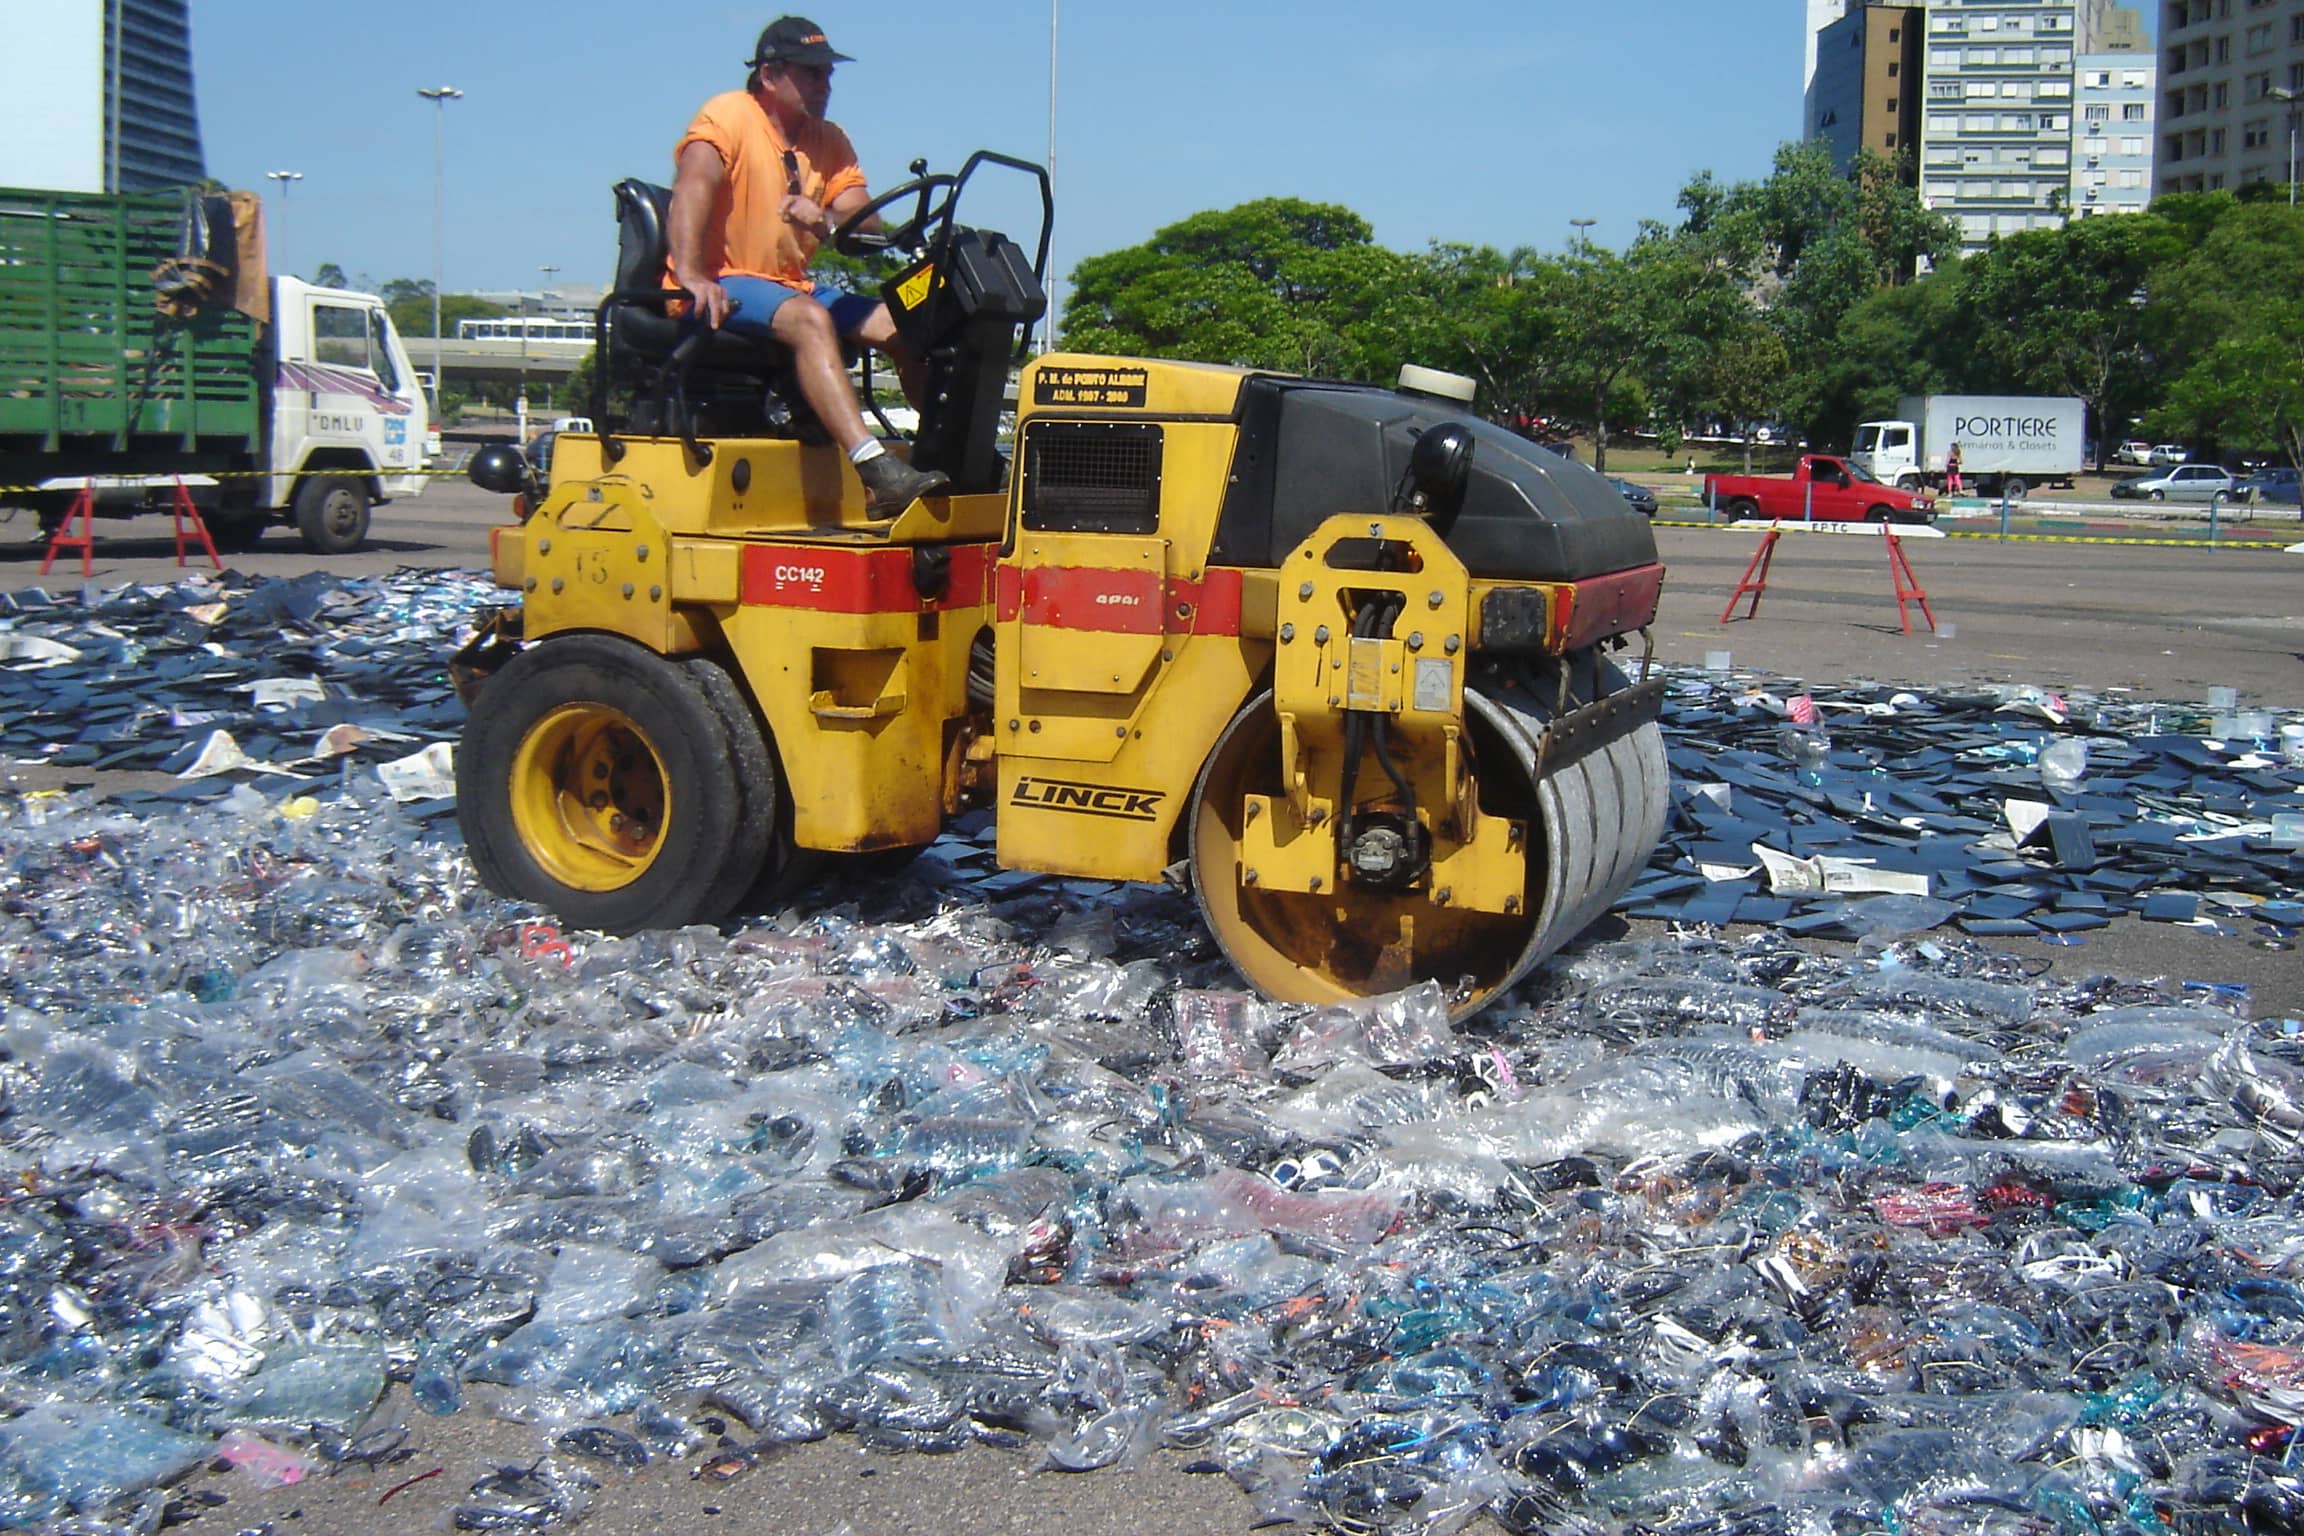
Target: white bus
[[529, 327]]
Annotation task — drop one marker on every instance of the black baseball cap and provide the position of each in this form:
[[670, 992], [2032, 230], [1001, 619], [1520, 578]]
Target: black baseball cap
[[795, 40]]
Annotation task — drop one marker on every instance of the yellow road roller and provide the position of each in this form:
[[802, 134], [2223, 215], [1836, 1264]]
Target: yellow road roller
[[1341, 658]]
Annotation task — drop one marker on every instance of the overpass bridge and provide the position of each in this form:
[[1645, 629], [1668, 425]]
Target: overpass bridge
[[498, 358]]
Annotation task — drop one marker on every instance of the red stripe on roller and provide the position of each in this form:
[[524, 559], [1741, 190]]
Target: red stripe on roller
[[1616, 604], [831, 580], [1105, 600], [1213, 603]]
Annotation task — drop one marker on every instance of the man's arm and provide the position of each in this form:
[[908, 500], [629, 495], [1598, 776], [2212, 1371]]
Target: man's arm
[[848, 202], [693, 194]]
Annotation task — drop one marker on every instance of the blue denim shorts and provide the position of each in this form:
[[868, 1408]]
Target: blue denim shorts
[[758, 299]]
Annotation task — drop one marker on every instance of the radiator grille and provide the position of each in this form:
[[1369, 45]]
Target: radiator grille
[[1092, 477]]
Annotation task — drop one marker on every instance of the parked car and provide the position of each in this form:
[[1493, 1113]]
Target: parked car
[[2167, 455], [1639, 495], [2273, 484], [2185, 482], [2135, 451]]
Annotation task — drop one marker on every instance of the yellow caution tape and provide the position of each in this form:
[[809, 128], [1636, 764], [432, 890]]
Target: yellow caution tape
[[226, 474]]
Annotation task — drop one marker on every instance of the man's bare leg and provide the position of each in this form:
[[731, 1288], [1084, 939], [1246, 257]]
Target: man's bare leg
[[805, 326], [890, 484]]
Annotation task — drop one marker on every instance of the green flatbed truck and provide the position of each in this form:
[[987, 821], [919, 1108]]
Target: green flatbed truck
[[305, 411]]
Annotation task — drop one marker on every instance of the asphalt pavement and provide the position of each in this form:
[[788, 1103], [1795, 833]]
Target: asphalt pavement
[[2158, 623]]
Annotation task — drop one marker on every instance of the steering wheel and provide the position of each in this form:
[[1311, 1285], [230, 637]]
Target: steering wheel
[[851, 239]]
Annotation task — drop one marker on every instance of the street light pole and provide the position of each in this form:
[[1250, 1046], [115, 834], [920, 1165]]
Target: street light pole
[[439, 96], [284, 178], [1584, 232]]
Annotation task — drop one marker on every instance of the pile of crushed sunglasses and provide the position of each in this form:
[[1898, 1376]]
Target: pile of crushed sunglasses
[[1698, 1235]]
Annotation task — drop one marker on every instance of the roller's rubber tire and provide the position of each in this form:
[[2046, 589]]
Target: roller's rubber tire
[[782, 868], [332, 513], [599, 780]]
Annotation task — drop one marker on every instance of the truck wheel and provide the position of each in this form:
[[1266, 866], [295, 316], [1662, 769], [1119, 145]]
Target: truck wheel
[[1742, 507], [1909, 482], [2015, 488], [599, 780], [332, 513]]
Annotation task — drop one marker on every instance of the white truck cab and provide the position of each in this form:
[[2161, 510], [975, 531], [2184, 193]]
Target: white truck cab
[[350, 424]]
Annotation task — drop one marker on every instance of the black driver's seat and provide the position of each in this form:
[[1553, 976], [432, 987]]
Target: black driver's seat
[[688, 381]]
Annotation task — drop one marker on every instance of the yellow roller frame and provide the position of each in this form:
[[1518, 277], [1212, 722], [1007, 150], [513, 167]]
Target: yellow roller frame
[[1413, 679]]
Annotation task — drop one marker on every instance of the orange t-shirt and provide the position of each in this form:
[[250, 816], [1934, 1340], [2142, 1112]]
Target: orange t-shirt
[[746, 236]]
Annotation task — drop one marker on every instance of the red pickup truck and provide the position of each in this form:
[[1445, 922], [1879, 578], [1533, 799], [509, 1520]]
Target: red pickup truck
[[1823, 489]]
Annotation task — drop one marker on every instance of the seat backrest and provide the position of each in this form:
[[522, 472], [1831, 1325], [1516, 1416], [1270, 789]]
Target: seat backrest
[[643, 245]]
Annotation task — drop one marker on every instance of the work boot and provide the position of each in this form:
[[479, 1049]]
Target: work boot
[[891, 485]]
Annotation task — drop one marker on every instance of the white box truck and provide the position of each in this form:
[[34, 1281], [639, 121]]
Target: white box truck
[[2007, 443]]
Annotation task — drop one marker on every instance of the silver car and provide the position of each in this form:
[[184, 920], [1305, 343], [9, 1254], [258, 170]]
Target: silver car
[[2186, 482]]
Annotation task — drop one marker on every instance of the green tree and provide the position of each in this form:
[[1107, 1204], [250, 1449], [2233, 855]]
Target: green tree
[[2061, 312], [577, 391], [1814, 243], [1619, 317], [1896, 342], [1277, 283], [2247, 391], [410, 302], [1499, 318], [1747, 376], [330, 275], [2234, 258], [2229, 316]]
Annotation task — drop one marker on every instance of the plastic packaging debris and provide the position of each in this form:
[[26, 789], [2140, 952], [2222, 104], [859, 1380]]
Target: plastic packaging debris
[[1690, 1237], [57, 1458], [260, 1461], [2064, 763]]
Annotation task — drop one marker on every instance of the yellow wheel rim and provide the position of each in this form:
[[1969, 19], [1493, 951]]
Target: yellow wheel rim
[[590, 797]]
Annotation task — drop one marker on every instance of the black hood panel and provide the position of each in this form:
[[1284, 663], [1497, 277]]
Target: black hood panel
[[1310, 451]]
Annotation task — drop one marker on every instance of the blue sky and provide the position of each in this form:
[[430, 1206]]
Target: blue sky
[[1480, 121]]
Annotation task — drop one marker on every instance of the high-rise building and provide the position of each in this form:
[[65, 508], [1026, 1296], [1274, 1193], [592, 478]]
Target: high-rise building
[[96, 95], [1990, 94], [2231, 73], [1996, 118], [1866, 93], [1821, 14], [2112, 133]]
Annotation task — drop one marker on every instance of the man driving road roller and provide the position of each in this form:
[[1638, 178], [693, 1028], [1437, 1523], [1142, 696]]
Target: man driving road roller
[[763, 178]]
